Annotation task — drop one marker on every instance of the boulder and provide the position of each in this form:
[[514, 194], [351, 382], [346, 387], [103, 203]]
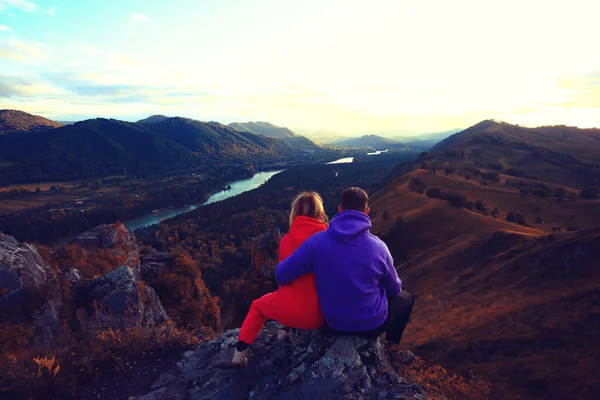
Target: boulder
[[118, 299], [22, 274], [310, 365], [20, 266]]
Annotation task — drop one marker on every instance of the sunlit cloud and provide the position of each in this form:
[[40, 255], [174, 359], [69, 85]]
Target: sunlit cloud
[[4, 28], [19, 50]]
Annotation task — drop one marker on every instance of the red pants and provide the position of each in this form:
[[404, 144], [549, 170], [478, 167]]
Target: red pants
[[295, 305]]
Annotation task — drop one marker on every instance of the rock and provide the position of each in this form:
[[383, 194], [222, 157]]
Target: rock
[[22, 273], [153, 262], [20, 265], [113, 241], [313, 366], [124, 301]]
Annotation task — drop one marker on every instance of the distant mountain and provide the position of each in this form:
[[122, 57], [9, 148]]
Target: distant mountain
[[101, 147], [210, 139], [153, 119], [432, 137], [12, 121], [273, 131], [374, 141]]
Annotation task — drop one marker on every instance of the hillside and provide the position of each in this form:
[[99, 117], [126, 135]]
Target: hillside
[[102, 147], [13, 121], [499, 248], [411, 222], [558, 154], [153, 119], [519, 311], [273, 131], [373, 141]]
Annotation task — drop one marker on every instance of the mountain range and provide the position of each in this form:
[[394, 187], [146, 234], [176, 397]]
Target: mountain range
[[101, 147]]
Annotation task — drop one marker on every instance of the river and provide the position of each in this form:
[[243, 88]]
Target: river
[[237, 187]]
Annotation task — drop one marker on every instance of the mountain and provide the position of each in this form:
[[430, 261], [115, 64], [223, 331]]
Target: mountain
[[425, 141], [374, 141], [496, 240], [273, 131], [12, 121], [152, 119], [212, 139], [263, 128], [558, 154], [101, 147]]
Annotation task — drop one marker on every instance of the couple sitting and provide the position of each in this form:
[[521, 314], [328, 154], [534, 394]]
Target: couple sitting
[[334, 275]]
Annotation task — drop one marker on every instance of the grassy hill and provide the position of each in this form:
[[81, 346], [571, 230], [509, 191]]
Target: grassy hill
[[557, 154], [14, 121], [499, 248]]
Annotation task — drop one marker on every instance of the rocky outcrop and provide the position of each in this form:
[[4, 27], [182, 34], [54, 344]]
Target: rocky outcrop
[[153, 262], [20, 266], [124, 301], [115, 242], [309, 365], [22, 275], [120, 298]]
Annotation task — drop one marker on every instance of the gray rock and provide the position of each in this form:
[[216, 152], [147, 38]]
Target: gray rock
[[20, 265], [22, 271], [124, 302], [313, 366]]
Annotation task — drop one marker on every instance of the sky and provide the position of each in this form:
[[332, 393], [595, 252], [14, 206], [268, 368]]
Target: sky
[[350, 67]]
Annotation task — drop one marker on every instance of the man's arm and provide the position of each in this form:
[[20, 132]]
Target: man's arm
[[390, 280], [300, 262]]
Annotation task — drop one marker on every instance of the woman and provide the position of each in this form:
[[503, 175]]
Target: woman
[[295, 305]]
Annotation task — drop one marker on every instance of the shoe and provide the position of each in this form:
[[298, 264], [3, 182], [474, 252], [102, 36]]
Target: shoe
[[240, 360]]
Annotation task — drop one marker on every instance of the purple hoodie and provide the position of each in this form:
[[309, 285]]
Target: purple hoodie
[[354, 272]]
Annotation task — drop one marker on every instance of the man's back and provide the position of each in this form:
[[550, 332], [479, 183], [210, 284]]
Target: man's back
[[353, 270]]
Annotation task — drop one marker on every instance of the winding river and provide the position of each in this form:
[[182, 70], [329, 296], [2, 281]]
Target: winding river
[[237, 187]]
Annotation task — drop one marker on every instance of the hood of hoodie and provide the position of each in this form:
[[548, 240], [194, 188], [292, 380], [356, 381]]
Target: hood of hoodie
[[304, 227], [347, 225]]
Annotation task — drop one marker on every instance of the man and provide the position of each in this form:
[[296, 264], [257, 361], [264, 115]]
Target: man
[[359, 290]]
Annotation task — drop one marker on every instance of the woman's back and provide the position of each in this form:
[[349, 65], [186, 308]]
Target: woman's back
[[302, 228]]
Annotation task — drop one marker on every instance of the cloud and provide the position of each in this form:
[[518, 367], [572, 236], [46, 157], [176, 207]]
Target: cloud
[[136, 19], [24, 5], [18, 50], [4, 28]]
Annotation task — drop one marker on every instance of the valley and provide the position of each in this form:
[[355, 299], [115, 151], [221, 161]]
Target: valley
[[498, 249]]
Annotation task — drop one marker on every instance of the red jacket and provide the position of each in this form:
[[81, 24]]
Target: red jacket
[[295, 305]]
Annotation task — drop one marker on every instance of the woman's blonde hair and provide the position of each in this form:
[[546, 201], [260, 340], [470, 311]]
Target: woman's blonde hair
[[308, 204]]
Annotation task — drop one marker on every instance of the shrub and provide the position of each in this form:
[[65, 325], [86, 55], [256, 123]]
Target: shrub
[[495, 213], [516, 217], [416, 184], [590, 193], [491, 176]]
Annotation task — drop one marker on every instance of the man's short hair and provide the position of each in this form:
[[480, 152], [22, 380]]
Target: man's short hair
[[354, 198]]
